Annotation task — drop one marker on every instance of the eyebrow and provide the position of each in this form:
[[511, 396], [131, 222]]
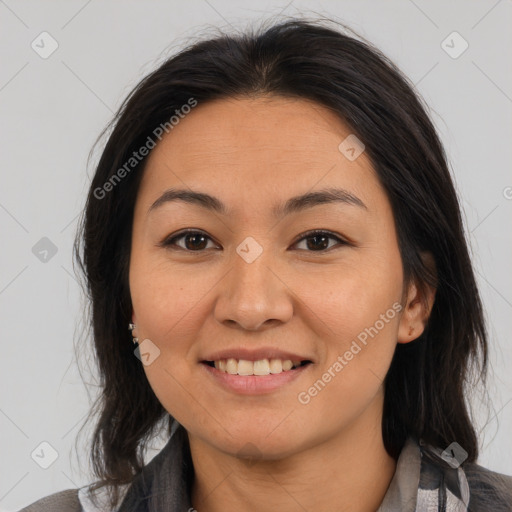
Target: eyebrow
[[292, 205]]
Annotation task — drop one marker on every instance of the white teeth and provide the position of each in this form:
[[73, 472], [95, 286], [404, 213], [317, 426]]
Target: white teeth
[[232, 366], [276, 366], [245, 367], [260, 367], [287, 365]]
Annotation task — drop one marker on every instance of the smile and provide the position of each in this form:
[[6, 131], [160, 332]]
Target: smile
[[254, 377], [260, 367]]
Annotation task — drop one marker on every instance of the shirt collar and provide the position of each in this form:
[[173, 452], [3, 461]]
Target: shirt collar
[[403, 489], [171, 477]]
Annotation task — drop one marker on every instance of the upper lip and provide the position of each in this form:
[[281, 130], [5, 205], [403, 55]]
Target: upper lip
[[255, 354]]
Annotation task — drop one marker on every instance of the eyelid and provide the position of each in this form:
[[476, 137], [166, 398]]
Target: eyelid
[[341, 240], [169, 240]]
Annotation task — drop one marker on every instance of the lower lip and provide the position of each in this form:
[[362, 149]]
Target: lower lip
[[254, 384]]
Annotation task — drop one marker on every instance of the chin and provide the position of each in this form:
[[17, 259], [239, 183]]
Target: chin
[[256, 444]]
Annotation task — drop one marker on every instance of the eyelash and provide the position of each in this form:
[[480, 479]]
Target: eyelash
[[170, 241]]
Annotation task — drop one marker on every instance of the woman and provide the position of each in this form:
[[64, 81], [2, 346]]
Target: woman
[[273, 223]]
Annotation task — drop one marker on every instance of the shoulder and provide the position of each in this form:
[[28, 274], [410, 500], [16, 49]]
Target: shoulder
[[74, 500], [488, 489], [63, 501]]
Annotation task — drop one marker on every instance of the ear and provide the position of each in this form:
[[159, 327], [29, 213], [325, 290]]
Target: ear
[[418, 305]]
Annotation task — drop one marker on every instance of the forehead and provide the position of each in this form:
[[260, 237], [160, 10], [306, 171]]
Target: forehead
[[260, 147]]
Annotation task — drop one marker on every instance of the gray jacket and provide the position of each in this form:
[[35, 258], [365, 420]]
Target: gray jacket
[[423, 481]]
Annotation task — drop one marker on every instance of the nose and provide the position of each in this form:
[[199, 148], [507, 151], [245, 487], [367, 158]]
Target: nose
[[253, 295]]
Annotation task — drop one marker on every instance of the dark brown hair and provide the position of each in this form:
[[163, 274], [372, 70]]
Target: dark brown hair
[[428, 378]]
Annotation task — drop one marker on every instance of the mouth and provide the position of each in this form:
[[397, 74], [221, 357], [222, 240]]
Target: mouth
[[257, 377], [260, 367]]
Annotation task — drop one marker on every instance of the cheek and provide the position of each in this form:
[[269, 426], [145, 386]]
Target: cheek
[[166, 299], [169, 306], [358, 320], [351, 373], [352, 295]]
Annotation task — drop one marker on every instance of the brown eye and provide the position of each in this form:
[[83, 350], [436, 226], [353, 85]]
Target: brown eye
[[197, 241], [194, 241], [318, 241]]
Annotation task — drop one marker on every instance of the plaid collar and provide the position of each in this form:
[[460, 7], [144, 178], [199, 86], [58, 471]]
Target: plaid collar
[[425, 480]]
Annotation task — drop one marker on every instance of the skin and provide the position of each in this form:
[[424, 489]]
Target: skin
[[252, 154]]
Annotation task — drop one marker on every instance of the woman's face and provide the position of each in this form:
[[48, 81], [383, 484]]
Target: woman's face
[[249, 284]]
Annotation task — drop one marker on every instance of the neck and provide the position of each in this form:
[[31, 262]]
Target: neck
[[350, 471]]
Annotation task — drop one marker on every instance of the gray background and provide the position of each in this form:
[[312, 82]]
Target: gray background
[[54, 108]]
